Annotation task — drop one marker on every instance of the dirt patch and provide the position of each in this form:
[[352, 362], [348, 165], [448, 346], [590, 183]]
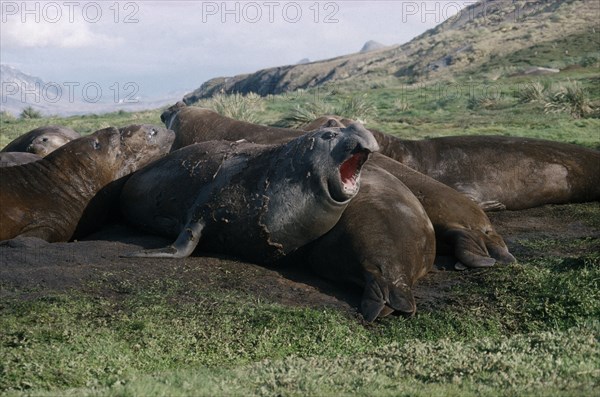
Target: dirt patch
[[31, 267]]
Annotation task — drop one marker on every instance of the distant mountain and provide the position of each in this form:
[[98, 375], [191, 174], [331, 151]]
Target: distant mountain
[[303, 61], [20, 90], [371, 46], [490, 36]]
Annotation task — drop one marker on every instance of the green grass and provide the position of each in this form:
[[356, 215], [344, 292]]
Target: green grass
[[528, 328]]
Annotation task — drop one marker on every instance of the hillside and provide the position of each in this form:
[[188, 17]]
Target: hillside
[[491, 36]]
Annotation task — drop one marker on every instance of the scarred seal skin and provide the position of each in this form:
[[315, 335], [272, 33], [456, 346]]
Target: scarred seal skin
[[256, 202], [42, 141], [47, 198], [466, 239]]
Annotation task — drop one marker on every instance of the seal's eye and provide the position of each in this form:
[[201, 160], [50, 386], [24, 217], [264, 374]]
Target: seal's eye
[[152, 132], [44, 139], [96, 144], [328, 135]]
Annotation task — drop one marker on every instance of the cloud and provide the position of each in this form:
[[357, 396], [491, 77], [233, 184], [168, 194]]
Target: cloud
[[62, 34]]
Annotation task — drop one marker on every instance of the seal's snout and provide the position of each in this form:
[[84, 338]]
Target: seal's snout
[[364, 137]]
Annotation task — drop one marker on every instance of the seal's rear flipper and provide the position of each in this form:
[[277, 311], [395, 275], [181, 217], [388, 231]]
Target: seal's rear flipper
[[500, 253], [469, 248], [491, 205], [182, 247], [381, 298]]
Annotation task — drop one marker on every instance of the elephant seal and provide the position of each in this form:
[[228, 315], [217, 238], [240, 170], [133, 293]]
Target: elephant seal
[[9, 159], [42, 141], [193, 124], [500, 172], [461, 226], [253, 201], [389, 213], [47, 198], [383, 243]]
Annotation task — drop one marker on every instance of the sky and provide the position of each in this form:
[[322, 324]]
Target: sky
[[170, 47]]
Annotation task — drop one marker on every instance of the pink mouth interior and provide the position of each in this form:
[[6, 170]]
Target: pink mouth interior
[[349, 170]]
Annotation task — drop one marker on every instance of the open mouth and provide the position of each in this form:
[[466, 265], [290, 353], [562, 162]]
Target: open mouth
[[346, 187], [350, 171]]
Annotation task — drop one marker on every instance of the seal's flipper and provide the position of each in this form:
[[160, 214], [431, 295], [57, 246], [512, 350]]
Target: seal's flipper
[[402, 300], [500, 253], [491, 205], [469, 248], [182, 247], [372, 300], [380, 296]]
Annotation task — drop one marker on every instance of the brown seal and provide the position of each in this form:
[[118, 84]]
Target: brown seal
[[9, 159], [383, 243], [42, 141], [193, 124], [461, 226], [253, 201], [46, 198]]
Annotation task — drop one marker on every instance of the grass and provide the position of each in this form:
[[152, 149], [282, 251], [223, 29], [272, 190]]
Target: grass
[[237, 106], [528, 328]]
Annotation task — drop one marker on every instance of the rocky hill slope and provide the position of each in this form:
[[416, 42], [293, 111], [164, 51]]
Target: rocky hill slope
[[491, 35]]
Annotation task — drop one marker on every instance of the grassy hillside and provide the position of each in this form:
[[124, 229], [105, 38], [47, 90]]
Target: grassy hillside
[[469, 43]]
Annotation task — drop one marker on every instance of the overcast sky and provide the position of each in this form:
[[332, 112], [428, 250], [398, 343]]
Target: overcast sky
[[167, 47]]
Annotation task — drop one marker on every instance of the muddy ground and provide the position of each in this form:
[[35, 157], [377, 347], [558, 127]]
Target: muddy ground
[[31, 268]]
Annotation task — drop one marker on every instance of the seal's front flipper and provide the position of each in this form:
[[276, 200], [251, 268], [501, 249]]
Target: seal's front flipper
[[491, 205], [469, 248], [182, 247], [381, 298]]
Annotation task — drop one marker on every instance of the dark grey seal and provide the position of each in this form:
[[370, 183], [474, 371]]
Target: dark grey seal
[[252, 201]]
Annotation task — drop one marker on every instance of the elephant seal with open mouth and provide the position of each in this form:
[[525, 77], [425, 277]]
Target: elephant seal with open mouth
[[253, 201]]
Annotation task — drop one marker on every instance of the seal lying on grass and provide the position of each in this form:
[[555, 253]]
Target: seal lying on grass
[[253, 201], [194, 124], [42, 141], [46, 198]]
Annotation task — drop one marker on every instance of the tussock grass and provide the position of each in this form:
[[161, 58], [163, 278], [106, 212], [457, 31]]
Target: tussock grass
[[30, 113], [237, 106], [573, 99], [356, 107], [533, 92]]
